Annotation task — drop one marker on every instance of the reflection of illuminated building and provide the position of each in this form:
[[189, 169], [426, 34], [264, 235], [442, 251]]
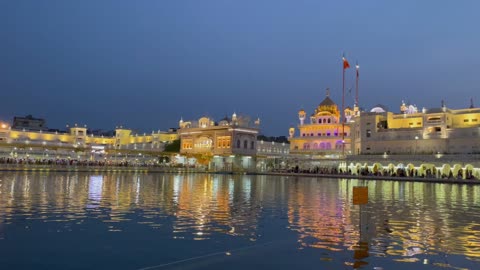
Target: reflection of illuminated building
[[95, 186], [321, 218], [205, 205], [405, 219]]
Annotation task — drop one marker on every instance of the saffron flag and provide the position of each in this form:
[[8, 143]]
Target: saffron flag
[[345, 63]]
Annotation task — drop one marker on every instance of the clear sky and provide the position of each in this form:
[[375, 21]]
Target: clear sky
[[144, 64]]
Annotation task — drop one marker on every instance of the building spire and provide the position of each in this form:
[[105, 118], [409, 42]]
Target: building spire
[[328, 92], [471, 103]]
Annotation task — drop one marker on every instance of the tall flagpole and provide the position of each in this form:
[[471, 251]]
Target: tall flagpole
[[343, 106], [345, 66], [357, 67]]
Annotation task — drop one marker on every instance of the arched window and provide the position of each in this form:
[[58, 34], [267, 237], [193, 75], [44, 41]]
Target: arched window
[[338, 145], [329, 120], [324, 120], [322, 145], [245, 144], [328, 146], [238, 143], [252, 144], [315, 146]]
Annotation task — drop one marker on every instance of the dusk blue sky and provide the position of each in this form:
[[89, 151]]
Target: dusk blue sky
[[145, 64]]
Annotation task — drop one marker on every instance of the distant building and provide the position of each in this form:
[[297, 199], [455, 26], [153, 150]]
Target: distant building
[[78, 139], [429, 131], [29, 123]]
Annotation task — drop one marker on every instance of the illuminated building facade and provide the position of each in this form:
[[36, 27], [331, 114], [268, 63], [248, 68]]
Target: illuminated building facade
[[231, 143], [429, 131], [79, 139], [322, 136]]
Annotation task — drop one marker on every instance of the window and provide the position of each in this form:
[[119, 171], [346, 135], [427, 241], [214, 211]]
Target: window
[[252, 145], [369, 133], [303, 134], [238, 143], [474, 120], [438, 129], [328, 133], [245, 144], [311, 134], [465, 120]]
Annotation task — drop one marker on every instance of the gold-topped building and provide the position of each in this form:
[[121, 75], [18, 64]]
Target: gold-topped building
[[322, 135], [228, 144]]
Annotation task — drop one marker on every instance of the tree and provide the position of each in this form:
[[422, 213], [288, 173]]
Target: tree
[[173, 147]]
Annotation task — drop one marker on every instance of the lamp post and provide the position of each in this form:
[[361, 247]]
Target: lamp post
[[416, 143]]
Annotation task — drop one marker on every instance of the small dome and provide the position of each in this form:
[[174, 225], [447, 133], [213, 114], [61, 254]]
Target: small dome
[[379, 108]]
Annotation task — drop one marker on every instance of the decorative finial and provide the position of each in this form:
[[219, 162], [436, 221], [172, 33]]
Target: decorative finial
[[471, 103], [328, 92], [443, 103]]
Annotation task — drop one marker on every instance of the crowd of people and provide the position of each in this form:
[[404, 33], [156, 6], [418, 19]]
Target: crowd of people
[[74, 162], [398, 172]]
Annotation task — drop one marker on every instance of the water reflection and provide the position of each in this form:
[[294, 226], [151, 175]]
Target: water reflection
[[423, 223]]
